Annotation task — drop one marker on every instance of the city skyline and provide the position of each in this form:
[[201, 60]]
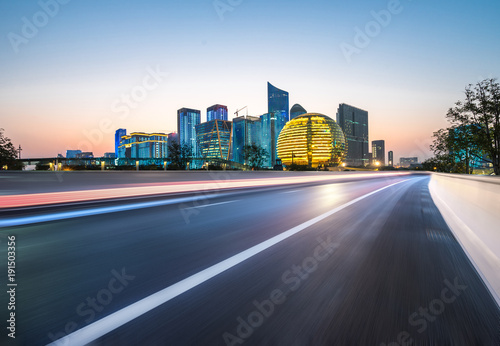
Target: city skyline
[[67, 80]]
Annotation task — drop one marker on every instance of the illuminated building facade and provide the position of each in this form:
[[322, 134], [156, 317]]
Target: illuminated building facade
[[378, 152], [246, 131], [312, 139], [118, 137], [218, 112], [187, 119], [354, 122], [296, 111], [274, 121], [214, 139], [139, 145]]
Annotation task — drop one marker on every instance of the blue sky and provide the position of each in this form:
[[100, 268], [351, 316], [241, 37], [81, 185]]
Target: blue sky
[[63, 87]]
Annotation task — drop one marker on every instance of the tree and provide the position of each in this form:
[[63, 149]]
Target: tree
[[460, 145], [443, 163], [179, 155], [8, 153], [255, 155], [480, 113]]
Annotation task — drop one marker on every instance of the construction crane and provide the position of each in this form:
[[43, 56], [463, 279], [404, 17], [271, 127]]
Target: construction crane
[[239, 110]]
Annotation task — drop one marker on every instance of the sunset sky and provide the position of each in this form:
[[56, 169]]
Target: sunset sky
[[68, 67]]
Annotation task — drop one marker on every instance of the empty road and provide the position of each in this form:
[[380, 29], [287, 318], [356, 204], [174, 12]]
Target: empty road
[[357, 262]]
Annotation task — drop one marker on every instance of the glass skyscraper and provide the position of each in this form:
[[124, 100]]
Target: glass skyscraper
[[354, 122], [390, 159], [187, 119], [378, 152], [214, 139], [246, 131], [217, 112], [118, 137], [274, 121]]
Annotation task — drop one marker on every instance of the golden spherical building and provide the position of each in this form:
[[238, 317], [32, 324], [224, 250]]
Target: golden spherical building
[[312, 139]]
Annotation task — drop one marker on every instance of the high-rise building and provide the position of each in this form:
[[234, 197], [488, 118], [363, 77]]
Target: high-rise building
[[140, 145], [296, 110], [118, 137], [390, 155], [214, 139], [354, 122], [187, 119], [378, 152], [274, 121], [246, 131], [217, 112]]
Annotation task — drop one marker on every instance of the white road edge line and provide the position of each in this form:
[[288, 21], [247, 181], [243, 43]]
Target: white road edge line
[[117, 319]]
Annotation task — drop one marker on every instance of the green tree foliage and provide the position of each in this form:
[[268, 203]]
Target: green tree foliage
[[8, 153], [479, 113], [458, 144], [179, 155], [255, 155]]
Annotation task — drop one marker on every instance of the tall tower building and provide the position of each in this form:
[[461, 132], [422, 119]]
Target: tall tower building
[[246, 131], [118, 136], [274, 121], [390, 155], [378, 152], [217, 112], [354, 122], [214, 139], [187, 119]]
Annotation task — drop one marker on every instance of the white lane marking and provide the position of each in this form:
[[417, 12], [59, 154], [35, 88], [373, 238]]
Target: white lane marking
[[291, 191], [211, 205], [27, 220], [109, 323]]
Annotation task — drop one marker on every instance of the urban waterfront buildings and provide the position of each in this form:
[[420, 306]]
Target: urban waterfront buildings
[[214, 139], [312, 139], [296, 110], [407, 161], [187, 119], [218, 112], [378, 152], [246, 131], [140, 145], [354, 122], [390, 161]]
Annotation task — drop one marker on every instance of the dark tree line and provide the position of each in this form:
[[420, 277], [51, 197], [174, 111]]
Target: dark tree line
[[474, 132], [8, 153]]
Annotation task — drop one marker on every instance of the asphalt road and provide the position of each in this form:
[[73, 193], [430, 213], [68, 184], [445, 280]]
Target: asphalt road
[[356, 269]]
